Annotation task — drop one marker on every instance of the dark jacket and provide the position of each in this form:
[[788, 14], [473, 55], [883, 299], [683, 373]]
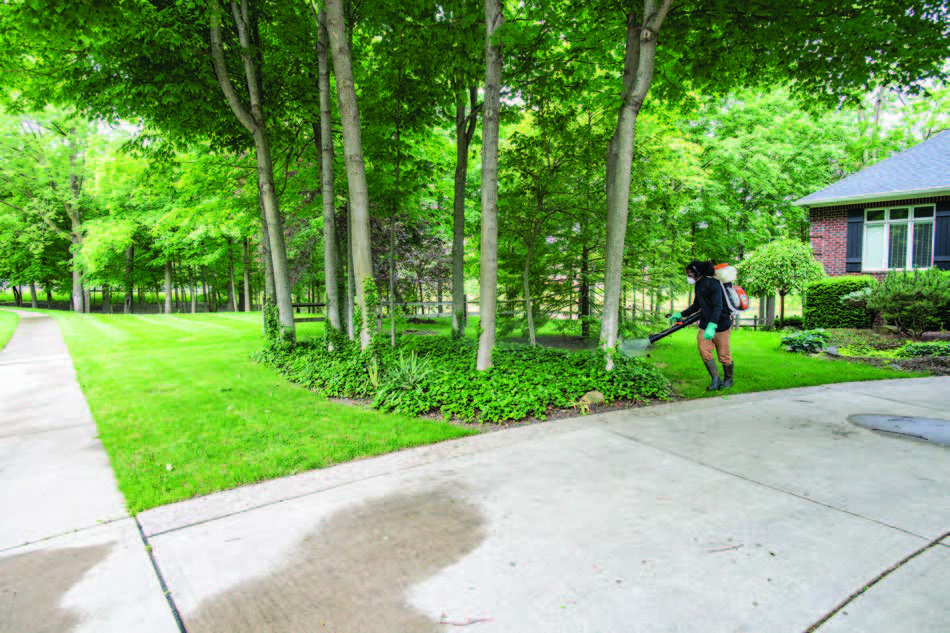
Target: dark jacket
[[710, 304]]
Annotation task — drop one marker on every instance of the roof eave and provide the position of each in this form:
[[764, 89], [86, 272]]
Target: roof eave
[[876, 197]]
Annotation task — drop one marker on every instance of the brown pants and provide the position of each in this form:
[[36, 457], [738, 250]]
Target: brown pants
[[721, 344]]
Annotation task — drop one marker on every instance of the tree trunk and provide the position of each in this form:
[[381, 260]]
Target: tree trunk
[[488, 277], [232, 295], [204, 287], [194, 289], [34, 303], [168, 286], [248, 304], [176, 286], [350, 283], [129, 288], [527, 295], [639, 60], [326, 177], [74, 214], [464, 131], [212, 294], [106, 299], [269, 291], [255, 123], [87, 297], [49, 295], [17, 296], [392, 283], [770, 310], [781, 314], [583, 299], [362, 271]]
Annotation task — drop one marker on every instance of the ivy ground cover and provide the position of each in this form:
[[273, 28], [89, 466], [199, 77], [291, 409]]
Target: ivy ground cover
[[425, 374]]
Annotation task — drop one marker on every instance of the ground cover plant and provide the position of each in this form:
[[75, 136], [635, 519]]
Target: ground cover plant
[[183, 411], [424, 374], [8, 323], [805, 341], [761, 364]]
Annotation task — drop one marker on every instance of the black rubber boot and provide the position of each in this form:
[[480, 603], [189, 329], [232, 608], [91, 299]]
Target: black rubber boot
[[727, 376], [713, 370]]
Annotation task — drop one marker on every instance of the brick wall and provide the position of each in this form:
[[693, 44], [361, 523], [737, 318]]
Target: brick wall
[[829, 232], [829, 238]]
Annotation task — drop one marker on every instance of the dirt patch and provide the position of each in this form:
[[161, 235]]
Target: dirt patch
[[32, 587], [352, 574]]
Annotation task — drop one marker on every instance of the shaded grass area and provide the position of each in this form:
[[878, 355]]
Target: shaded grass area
[[8, 323], [760, 365], [182, 410]]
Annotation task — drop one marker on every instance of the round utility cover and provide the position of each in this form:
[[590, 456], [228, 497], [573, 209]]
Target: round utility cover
[[926, 429]]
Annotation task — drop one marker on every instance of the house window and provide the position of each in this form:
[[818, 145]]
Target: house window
[[898, 238]]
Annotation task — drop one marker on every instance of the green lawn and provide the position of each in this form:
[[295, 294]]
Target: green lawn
[[182, 411], [761, 365], [8, 321]]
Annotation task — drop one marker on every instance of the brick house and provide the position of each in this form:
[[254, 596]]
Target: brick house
[[894, 215]]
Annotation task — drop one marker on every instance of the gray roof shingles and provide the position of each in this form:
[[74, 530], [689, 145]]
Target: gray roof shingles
[[921, 170]]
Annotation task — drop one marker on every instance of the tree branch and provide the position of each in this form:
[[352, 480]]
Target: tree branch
[[221, 71]]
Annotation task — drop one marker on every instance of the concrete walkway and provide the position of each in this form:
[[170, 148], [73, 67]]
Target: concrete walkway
[[758, 512], [71, 558]]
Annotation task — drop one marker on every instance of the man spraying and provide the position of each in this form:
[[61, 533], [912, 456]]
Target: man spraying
[[714, 321]]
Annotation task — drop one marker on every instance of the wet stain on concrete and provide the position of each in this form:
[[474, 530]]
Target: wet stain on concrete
[[351, 576], [32, 587]]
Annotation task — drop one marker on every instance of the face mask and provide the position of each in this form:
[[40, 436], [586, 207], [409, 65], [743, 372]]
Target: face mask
[[690, 280]]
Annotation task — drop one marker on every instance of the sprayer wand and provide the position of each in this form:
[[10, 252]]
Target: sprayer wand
[[679, 325]]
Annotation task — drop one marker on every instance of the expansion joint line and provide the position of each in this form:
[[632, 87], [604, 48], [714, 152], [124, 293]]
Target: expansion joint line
[[884, 574], [161, 579], [765, 485]]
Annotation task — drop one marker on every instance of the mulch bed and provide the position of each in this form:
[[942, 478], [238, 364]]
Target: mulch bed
[[935, 365]]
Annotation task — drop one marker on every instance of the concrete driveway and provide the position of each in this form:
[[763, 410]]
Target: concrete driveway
[[759, 512]]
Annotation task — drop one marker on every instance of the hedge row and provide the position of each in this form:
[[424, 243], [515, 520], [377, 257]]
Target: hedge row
[[823, 308]]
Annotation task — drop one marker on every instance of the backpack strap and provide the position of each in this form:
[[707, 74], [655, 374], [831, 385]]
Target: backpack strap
[[725, 295]]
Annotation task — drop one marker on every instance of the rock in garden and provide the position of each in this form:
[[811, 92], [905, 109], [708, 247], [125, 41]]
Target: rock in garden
[[593, 397]]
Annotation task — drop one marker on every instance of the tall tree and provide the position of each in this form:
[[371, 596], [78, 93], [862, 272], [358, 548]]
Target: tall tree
[[327, 176], [638, 67], [358, 224], [253, 120], [488, 282]]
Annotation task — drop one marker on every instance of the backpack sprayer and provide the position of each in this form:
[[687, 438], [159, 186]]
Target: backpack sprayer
[[735, 298]]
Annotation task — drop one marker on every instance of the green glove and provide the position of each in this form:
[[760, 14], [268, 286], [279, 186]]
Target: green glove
[[710, 332], [676, 316]]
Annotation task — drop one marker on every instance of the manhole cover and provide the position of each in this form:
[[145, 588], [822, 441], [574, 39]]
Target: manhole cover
[[926, 429]]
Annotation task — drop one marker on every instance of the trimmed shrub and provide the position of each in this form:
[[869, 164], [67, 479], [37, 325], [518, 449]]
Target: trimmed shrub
[[913, 301], [806, 341], [795, 322], [823, 307]]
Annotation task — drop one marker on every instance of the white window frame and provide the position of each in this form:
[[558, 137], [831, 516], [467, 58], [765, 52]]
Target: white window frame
[[887, 222]]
